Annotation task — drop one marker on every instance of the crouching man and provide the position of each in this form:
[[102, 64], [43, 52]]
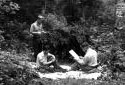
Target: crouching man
[[46, 59], [86, 63]]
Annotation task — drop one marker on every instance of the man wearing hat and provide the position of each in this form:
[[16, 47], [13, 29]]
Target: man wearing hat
[[36, 30]]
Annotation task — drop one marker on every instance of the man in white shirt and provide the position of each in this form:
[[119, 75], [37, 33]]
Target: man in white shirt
[[36, 30], [88, 62], [45, 58], [37, 26]]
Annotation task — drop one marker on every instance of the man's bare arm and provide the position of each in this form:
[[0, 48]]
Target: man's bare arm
[[43, 62], [53, 58]]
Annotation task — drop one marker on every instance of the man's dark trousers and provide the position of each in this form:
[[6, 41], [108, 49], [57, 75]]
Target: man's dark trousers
[[37, 46]]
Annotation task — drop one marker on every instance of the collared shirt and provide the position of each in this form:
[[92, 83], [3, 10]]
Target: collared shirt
[[41, 58], [90, 58], [36, 28]]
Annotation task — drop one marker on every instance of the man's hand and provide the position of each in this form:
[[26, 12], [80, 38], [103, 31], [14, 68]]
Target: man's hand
[[44, 32], [80, 57], [80, 61], [38, 33]]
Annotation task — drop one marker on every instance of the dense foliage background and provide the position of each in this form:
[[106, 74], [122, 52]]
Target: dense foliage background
[[90, 21]]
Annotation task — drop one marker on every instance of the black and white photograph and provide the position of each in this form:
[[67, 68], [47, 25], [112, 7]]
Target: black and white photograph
[[62, 42]]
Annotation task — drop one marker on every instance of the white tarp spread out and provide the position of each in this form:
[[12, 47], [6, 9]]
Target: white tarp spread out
[[70, 74]]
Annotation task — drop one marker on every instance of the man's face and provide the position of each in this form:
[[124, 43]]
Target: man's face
[[46, 52], [39, 21]]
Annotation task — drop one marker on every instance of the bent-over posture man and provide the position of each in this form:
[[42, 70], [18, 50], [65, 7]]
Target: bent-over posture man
[[45, 58], [36, 30], [86, 63]]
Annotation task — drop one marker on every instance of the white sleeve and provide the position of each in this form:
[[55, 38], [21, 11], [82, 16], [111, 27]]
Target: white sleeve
[[41, 58], [32, 28]]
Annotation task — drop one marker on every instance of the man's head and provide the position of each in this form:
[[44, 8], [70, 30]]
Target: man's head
[[46, 49], [40, 19], [46, 52]]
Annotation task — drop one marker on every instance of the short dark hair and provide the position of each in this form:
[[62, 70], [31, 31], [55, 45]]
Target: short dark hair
[[47, 47]]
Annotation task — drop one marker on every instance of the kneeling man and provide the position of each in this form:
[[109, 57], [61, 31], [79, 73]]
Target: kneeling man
[[86, 63]]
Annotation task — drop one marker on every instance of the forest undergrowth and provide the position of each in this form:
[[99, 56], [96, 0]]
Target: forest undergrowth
[[14, 69]]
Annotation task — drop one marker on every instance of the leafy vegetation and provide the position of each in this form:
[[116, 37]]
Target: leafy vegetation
[[90, 21]]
